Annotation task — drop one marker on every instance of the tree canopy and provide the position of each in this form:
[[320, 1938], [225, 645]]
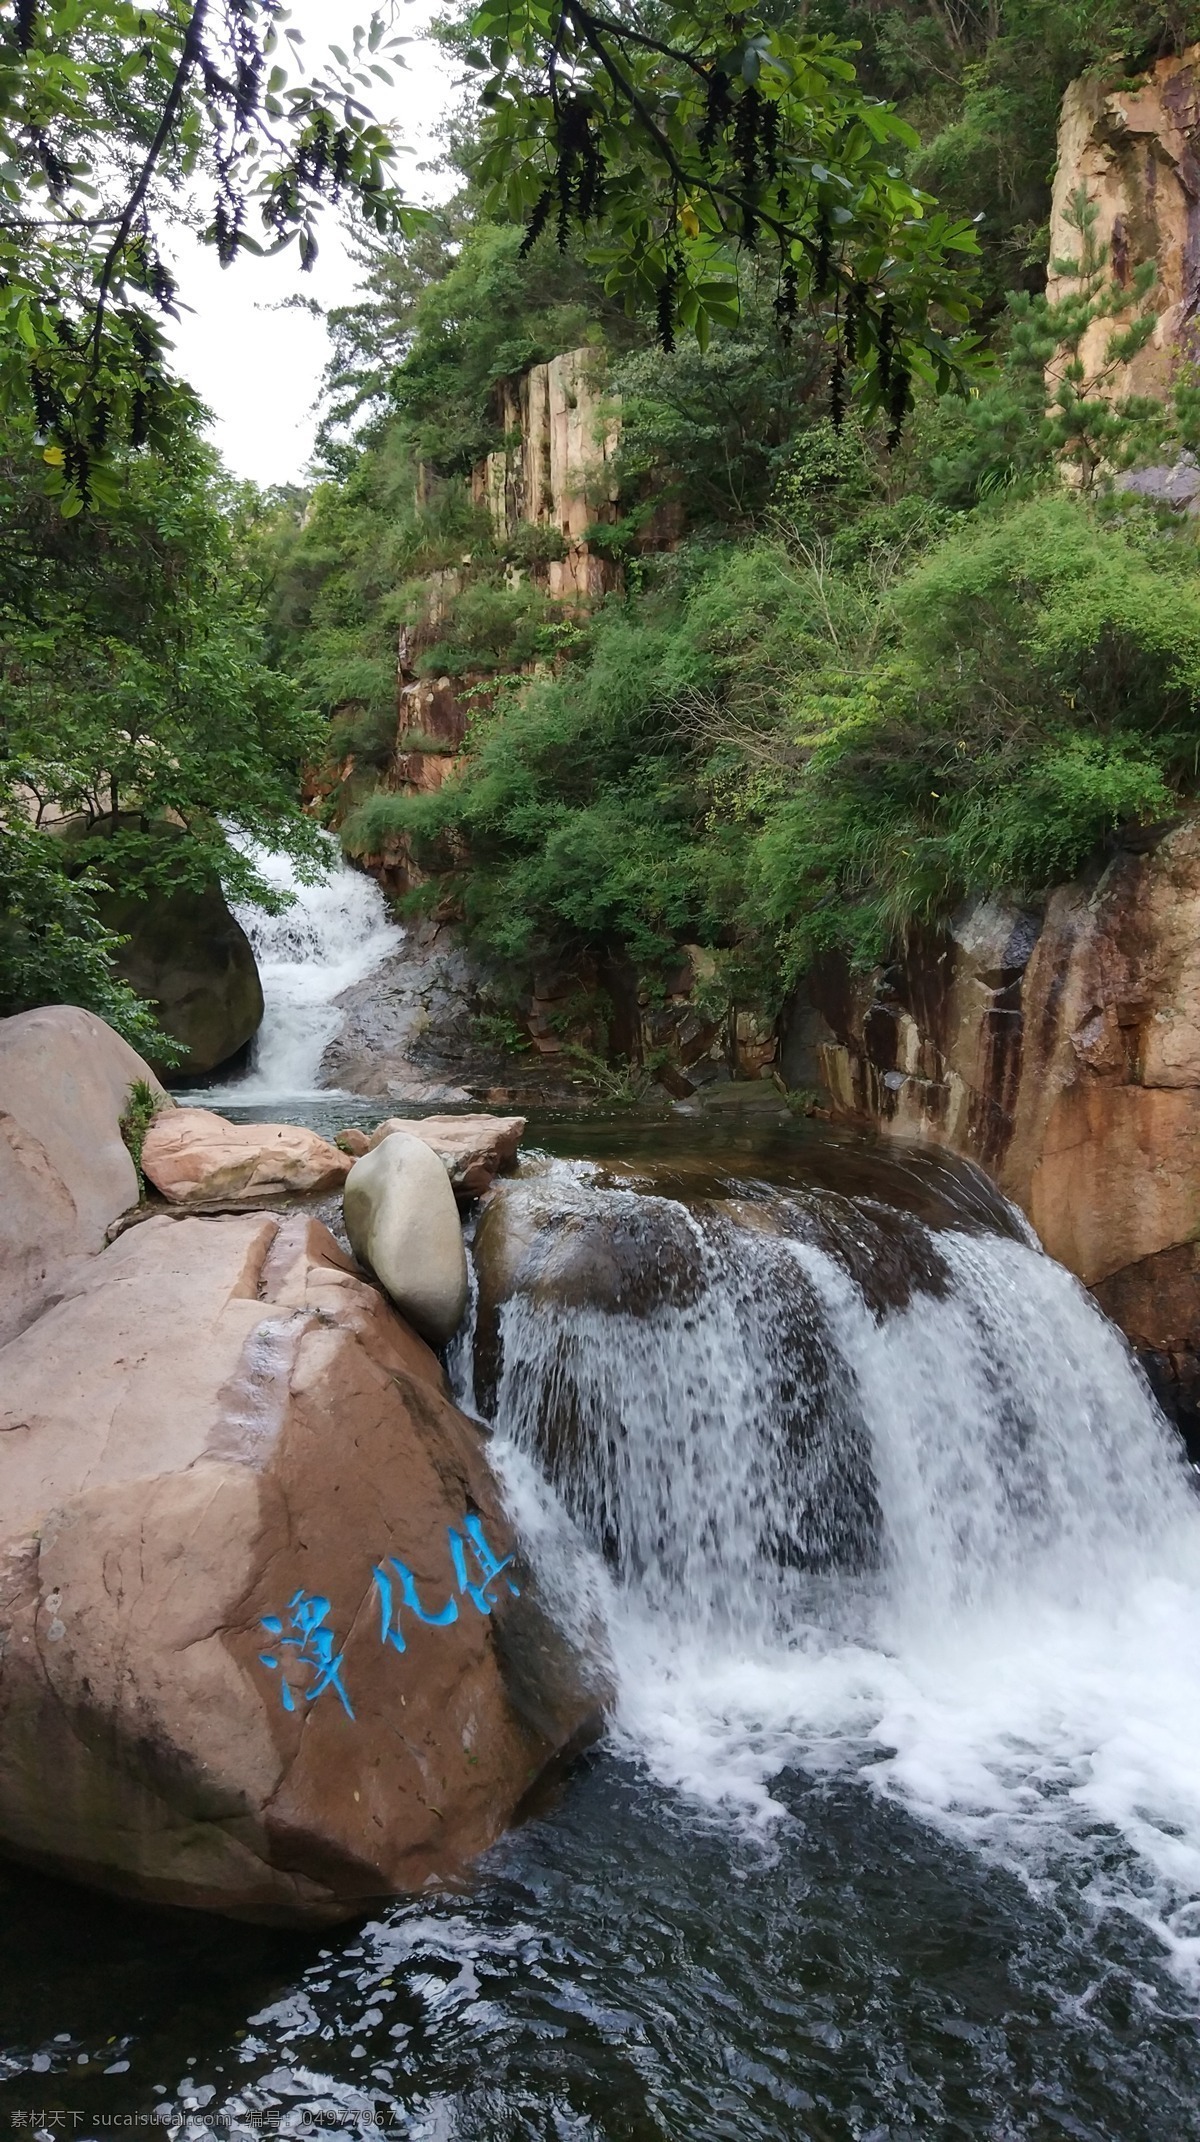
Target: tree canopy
[[672, 138]]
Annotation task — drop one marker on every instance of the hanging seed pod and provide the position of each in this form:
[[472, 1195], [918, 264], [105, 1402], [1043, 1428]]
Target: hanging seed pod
[[898, 402], [665, 311], [77, 468], [52, 164], [98, 428], [853, 314], [745, 134], [47, 401], [343, 155], [716, 111], [837, 390], [139, 418], [768, 138], [538, 219], [162, 285], [887, 342], [246, 93], [824, 261], [26, 23], [565, 199], [787, 300], [591, 179], [224, 234]]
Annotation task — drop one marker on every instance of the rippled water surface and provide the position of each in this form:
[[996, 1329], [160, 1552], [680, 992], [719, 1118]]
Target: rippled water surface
[[625, 1969], [907, 1854]]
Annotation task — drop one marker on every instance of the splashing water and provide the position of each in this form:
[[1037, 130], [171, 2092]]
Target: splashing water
[[947, 1545], [334, 933]]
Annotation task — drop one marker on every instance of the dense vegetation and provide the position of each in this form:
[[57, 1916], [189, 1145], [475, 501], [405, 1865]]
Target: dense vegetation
[[877, 672], [138, 704], [868, 682]]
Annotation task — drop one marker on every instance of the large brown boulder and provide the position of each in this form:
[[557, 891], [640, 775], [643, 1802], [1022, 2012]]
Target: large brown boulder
[[65, 1171], [195, 1157], [474, 1148], [266, 1645]]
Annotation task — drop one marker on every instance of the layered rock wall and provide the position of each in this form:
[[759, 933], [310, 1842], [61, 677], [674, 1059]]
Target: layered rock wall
[[1061, 1052], [1131, 149], [555, 468]]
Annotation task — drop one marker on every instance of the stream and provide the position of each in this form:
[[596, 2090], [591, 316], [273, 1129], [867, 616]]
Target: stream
[[896, 1829]]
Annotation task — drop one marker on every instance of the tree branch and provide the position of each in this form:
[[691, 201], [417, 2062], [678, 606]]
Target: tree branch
[[187, 60]]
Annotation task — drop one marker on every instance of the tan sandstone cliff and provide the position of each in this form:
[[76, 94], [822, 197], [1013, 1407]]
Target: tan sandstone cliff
[[1060, 1051], [1132, 149]]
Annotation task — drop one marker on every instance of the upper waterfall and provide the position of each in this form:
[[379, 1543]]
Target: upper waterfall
[[332, 934]]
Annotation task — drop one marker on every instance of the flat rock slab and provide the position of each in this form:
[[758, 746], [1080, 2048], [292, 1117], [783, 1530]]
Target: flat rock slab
[[474, 1148], [195, 1157], [267, 1647]]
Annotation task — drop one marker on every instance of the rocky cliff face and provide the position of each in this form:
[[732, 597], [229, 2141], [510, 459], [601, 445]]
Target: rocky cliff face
[[1061, 1051], [1132, 150], [554, 470]]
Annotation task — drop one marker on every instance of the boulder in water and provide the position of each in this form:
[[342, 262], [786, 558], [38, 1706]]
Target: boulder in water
[[66, 1173], [622, 1253], [192, 958], [474, 1148], [266, 1647], [402, 1221], [608, 1319], [195, 1157]]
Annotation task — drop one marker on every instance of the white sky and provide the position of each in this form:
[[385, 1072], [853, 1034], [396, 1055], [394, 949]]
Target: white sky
[[258, 370]]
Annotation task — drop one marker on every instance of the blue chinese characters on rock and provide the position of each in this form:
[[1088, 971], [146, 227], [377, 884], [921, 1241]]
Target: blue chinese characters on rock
[[305, 1652], [303, 1632]]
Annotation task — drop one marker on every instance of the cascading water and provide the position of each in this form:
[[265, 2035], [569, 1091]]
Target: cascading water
[[935, 1535], [334, 933], [897, 1832]]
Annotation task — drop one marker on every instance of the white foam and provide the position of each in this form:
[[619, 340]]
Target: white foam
[[333, 934], [1022, 1670]]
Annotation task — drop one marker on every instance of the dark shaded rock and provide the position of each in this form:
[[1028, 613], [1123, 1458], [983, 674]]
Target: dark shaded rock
[[628, 1253], [192, 958], [411, 1031]]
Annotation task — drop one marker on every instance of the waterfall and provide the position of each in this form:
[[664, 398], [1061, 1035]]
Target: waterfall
[[865, 1497], [334, 933]]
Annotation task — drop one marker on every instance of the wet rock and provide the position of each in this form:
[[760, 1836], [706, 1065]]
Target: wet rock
[[473, 1149], [626, 1253], [207, 1695], [65, 1172], [195, 1157], [890, 1255], [576, 1283], [402, 1221], [411, 1031]]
